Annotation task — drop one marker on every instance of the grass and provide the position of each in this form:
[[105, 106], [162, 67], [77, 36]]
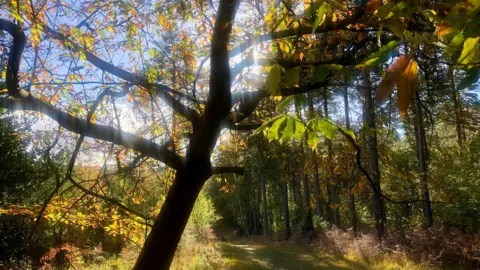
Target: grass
[[263, 255], [247, 256]]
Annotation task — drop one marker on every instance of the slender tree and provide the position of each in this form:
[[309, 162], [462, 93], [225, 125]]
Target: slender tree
[[372, 150]]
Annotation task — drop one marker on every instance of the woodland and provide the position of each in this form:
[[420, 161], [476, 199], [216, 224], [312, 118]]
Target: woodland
[[229, 134]]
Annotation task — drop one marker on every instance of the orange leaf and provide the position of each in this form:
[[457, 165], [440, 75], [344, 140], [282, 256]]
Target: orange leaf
[[443, 30], [406, 85], [373, 5], [393, 72]]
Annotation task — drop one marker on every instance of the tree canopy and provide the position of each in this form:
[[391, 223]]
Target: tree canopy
[[150, 85]]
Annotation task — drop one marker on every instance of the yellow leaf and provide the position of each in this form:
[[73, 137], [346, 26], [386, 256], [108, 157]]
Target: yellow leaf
[[407, 84], [469, 50], [393, 72]]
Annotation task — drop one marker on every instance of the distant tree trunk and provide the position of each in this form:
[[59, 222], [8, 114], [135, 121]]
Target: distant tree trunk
[[457, 108], [351, 196], [265, 209], [333, 189], [286, 214], [372, 150], [421, 153], [256, 215], [308, 222], [316, 176]]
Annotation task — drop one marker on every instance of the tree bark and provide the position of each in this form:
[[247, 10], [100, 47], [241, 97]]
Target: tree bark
[[159, 248], [308, 222], [457, 108], [173, 217], [286, 214], [421, 150], [372, 150], [265, 208], [333, 189], [256, 215], [316, 176], [351, 196]]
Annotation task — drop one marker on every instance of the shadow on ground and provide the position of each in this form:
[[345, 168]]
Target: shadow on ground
[[254, 256]]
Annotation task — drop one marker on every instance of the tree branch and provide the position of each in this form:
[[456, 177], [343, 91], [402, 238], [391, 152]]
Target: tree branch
[[327, 26], [14, 56], [97, 131], [221, 170], [161, 90]]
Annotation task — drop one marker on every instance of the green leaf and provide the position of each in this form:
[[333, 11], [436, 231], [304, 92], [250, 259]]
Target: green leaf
[[275, 130], [292, 77], [469, 50], [298, 129], [385, 11], [267, 124], [349, 132], [319, 74], [273, 79], [312, 139], [284, 103], [288, 131], [300, 100], [471, 29], [380, 56], [335, 67], [321, 14], [473, 75], [326, 127]]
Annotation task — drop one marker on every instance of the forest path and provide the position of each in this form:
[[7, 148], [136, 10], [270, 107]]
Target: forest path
[[268, 256]]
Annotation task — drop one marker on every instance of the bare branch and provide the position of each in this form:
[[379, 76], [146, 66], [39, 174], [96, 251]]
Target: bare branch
[[162, 91], [222, 170], [97, 131]]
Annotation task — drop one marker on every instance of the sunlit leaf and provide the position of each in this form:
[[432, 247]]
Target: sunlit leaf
[[393, 73], [326, 127], [284, 103], [312, 139], [406, 85], [274, 132], [349, 132], [469, 49], [273, 78], [321, 15], [288, 131]]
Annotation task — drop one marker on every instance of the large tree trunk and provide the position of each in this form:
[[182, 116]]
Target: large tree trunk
[[161, 243], [333, 189], [351, 196], [422, 160], [265, 208], [285, 211], [372, 150]]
